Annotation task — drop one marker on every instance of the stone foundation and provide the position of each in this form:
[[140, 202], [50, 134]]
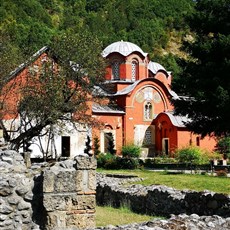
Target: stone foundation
[[61, 196], [16, 196], [160, 200], [69, 194]]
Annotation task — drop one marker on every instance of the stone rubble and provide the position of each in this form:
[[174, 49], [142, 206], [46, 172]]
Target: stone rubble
[[15, 192], [46, 196], [177, 222], [21, 199], [163, 201]]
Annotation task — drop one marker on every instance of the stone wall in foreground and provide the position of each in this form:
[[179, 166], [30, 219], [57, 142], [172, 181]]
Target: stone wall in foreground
[[16, 193], [160, 200], [69, 194], [61, 196], [177, 222]]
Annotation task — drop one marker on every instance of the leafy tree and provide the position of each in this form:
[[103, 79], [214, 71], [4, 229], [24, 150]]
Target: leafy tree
[[148, 23], [73, 15], [205, 82], [60, 93], [27, 24], [10, 57], [223, 146]]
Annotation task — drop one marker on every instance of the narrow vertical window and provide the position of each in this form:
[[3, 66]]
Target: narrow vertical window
[[197, 141], [148, 111], [134, 70], [116, 70]]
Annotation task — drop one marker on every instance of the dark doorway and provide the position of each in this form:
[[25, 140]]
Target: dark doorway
[[109, 146], [166, 146], [107, 138], [65, 146]]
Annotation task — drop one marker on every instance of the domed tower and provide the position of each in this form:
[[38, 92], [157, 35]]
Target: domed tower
[[127, 63]]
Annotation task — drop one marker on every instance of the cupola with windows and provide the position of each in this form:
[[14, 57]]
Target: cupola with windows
[[127, 62]]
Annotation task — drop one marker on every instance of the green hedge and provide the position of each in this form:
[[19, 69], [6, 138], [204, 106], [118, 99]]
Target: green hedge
[[109, 161], [131, 151]]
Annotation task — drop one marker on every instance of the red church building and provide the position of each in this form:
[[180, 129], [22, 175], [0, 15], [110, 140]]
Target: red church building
[[139, 109], [138, 92]]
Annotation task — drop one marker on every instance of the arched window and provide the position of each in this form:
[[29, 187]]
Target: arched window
[[134, 70], [116, 70], [148, 111], [148, 136]]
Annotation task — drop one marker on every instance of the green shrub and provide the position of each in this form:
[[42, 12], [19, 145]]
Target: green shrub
[[159, 160], [127, 163], [130, 151], [109, 161], [191, 155], [106, 160], [213, 155], [165, 160], [149, 163], [223, 146]]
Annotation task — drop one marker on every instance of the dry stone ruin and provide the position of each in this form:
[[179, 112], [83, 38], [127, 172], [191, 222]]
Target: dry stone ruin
[[62, 196], [159, 200], [59, 196]]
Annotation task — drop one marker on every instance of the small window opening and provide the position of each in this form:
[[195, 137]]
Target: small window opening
[[116, 70], [134, 70], [148, 110]]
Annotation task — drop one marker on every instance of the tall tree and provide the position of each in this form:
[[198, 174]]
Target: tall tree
[[61, 91], [205, 82], [10, 56]]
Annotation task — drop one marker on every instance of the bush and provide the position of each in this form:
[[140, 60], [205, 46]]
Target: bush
[[223, 146], [131, 151], [165, 160], [159, 160], [127, 163], [213, 155], [191, 155], [107, 161]]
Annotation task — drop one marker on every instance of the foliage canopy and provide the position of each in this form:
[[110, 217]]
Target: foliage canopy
[[205, 82], [31, 24], [60, 93]]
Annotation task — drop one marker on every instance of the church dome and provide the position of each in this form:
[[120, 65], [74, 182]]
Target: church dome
[[154, 67], [124, 48]]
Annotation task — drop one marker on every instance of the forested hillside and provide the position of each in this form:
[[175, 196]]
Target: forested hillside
[[155, 25]]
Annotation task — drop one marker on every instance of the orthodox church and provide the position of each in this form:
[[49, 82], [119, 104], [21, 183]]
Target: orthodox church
[[137, 109]]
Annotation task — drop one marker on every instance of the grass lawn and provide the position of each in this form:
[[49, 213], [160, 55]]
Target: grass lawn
[[108, 215], [179, 181]]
